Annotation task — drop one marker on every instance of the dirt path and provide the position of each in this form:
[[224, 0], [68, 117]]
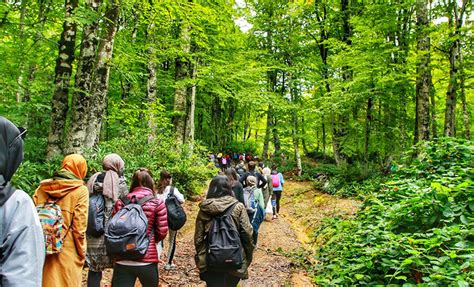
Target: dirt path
[[302, 209]]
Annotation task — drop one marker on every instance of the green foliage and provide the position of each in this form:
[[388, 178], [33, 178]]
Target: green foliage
[[418, 228], [189, 168]]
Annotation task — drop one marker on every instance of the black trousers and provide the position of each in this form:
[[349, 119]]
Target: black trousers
[[94, 278], [219, 279], [277, 194], [125, 276]]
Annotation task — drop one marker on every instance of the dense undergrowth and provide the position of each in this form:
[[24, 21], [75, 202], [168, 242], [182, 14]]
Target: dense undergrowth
[[190, 169], [417, 228]]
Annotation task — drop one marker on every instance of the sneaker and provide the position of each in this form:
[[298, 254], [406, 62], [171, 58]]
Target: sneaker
[[274, 217], [169, 267]]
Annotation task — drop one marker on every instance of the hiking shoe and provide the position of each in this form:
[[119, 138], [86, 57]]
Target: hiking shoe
[[274, 217], [169, 267]]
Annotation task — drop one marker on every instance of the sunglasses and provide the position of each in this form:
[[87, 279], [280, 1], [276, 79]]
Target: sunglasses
[[21, 135]]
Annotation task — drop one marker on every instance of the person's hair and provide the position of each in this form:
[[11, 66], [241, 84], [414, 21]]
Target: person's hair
[[231, 174], [142, 177], [165, 180], [219, 187], [251, 165], [260, 164], [274, 167]]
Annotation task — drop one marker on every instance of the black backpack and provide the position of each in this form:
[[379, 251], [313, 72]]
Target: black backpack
[[96, 219], [126, 233], [224, 249], [176, 214]]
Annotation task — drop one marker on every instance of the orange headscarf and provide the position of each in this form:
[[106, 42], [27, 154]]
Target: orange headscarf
[[76, 164]]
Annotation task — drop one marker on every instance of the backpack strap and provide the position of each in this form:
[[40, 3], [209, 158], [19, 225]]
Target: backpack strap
[[145, 199], [171, 193], [229, 209], [125, 200]]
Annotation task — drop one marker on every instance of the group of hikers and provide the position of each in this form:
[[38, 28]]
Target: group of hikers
[[104, 223]]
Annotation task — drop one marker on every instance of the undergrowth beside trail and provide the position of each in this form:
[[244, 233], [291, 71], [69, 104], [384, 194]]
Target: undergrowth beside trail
[[190, 169], [417, 228]]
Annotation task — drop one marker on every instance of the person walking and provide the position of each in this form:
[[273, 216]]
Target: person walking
[[261, 181], [163, 191], [145, 269], [267, 190], [253, 198], [22, 245], [111, 184], [67, 190], [277, 183], [237, 187], [220, 200]]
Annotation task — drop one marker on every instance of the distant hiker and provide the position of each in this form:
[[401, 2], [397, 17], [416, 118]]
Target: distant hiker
[[240, 168], [261, 181], [164, 191], [267, 190], [126, 271], [222, 219], [106, 187], [224, 163], [237, 187], [255, 205], [21, 238], [277, 183], [65, 198]]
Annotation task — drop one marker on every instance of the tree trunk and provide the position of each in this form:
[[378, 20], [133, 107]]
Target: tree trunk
[[465, 109], [455, 20], [303, 133], [368, 119], [271, 86], [191, 106], [151, 85], [62, 78], [101, 80], [83, 84], [423, 70], [276, 137], [181, 91]]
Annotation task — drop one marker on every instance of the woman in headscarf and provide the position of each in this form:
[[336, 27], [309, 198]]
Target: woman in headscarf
[[22, 240], [67, 189], [112, 185]]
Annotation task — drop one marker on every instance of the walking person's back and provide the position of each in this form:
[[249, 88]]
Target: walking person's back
[[21, 237], [220, 203], [111, 185], [67, 190]]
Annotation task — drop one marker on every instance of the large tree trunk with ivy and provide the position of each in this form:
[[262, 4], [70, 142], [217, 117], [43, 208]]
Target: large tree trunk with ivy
[[465, 109], [62, 77], [83, 84], [455, 20], [271, 85], [101, 78], [191, 106], [152, 81], [423, 71]]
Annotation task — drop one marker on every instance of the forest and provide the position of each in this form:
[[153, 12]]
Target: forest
[[371, 100]]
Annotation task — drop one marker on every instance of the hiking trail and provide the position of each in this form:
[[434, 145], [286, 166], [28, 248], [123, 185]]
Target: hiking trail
[[302, 209]]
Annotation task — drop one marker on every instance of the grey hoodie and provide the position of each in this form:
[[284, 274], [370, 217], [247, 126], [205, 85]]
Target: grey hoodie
[[22, 248]]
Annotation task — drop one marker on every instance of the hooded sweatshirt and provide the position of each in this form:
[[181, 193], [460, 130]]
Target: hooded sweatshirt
[[211, 208], [22, 248], [68, 190]]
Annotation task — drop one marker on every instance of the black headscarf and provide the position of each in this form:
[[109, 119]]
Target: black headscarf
[[11, 156]]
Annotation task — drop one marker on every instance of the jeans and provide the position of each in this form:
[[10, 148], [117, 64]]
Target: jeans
[[276, 205], [172, 245], [125, 275]]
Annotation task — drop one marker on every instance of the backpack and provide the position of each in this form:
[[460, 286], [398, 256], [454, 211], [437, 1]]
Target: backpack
[[52, 221], [176, 214], [275, 180], [240, 170], [96, 219], [224, 249], [126, 233]]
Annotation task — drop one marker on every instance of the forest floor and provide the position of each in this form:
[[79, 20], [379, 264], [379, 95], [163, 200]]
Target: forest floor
[[303, 208]]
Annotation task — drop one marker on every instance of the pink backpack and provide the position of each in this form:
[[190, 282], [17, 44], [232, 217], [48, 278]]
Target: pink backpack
[[275, 180]]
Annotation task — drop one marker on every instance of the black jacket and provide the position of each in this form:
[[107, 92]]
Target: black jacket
[[261, 181]]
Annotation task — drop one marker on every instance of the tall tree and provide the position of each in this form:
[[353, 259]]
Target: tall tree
[[455, 20], [423, 70], [62, 77]]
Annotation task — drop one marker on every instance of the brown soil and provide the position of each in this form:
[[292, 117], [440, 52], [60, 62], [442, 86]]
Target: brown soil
[[302, 209]]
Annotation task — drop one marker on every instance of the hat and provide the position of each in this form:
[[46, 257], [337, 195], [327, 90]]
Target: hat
[[251, 181]]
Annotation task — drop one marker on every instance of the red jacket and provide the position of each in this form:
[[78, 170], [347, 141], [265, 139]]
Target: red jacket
[[155, 211]]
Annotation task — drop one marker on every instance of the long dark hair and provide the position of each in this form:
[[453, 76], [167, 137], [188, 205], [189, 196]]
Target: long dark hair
[[219, 187], [165, 180], [231, 174], [142, 177]]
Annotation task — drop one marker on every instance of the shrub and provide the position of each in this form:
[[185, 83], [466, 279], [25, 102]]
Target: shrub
[[417, 229]]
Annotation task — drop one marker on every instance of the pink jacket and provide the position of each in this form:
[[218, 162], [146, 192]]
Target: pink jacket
[[155, 211]]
